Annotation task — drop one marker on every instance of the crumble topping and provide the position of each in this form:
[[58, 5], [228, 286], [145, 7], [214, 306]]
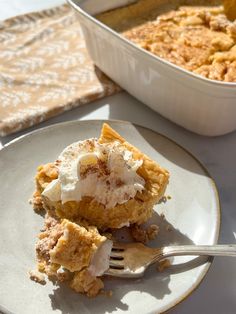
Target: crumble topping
[[48, 238], [200, 39], [140, 234], [37, 202]]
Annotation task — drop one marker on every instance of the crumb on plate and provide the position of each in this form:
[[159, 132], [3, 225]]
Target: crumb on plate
[[163, 265], [38, 277], [140, 234]]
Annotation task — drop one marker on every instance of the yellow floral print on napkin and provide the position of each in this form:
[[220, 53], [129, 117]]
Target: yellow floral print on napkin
[[45, 69]]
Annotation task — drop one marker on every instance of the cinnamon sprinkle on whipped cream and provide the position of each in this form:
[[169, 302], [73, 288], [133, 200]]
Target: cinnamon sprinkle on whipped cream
[[105, 172]]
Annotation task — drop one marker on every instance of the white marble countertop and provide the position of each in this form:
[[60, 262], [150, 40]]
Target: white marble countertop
[[217, 292]]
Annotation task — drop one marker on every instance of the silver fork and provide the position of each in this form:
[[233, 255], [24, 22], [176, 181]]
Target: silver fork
[[130, 260]]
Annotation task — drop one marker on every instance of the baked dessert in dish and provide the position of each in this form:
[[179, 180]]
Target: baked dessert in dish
[[200, 39], [93, 186]]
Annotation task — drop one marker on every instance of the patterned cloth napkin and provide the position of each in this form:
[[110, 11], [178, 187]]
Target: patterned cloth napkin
[[45, 69]]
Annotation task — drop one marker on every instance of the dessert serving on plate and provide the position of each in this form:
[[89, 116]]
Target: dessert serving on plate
[[95, 186], [200, 39]]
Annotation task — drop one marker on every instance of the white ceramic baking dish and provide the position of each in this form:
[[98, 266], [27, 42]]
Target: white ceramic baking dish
[[201, 105]]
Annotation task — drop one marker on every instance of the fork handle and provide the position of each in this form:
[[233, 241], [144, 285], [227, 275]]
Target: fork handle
[[206, 250]]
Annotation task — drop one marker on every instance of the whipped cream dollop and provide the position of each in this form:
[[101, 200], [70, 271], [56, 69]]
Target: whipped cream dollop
[[100, 260], [105, 172]]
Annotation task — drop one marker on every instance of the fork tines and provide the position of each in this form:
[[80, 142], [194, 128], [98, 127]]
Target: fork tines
[[116, 258]]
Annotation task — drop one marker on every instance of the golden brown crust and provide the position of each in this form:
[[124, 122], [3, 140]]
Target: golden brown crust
[[155, 176], [192, 37]]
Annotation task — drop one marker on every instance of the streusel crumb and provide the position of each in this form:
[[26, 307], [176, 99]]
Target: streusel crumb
[[140, 234], [163, 265], [36, 276]]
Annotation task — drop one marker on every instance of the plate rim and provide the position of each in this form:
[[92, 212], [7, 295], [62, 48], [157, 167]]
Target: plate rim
[[208, 264]]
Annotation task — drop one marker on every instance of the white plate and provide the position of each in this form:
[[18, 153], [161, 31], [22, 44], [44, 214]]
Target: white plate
[[193, 211]]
